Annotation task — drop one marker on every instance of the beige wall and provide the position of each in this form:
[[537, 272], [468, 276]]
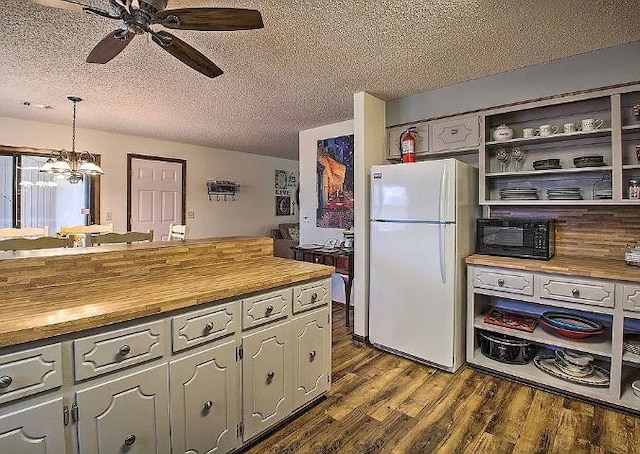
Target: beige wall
[[253, 212]]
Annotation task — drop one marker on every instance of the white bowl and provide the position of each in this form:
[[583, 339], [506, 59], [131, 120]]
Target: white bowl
[[636, 388]]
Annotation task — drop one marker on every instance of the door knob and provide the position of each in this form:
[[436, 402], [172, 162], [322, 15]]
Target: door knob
[[312, 355], [5, 381], [124, 351], [270, 376], [129, 440], [209, 326], [314, 297], [575, 292], [208, 404], [500, 282]]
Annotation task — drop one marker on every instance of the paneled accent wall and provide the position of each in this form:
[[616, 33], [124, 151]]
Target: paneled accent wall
[[585, 231], [74, 266]]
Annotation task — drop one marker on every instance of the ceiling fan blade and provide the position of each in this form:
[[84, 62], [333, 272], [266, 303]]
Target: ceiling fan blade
[[210, 19], [187, 54], [69, 5], [110, 46]]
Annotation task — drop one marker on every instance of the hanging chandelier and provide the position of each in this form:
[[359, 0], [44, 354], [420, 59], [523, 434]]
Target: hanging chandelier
[[70, 164]]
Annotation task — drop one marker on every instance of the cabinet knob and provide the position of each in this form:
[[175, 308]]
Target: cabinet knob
[[575, 292], [454, 131], [314, 297], [129, 440], [268, 310], [5, 381], [316, 259], [208, 326], [312, 355], [208, 404], [124, 351], [500, 282], [270, 376]]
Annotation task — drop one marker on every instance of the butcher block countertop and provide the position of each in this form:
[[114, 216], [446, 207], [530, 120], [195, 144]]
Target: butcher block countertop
[[567, 265], [147, 281]]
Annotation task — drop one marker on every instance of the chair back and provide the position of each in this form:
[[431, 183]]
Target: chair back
[[25, 232], [84, 229], [114, 238], [177, 232], [44, 242]]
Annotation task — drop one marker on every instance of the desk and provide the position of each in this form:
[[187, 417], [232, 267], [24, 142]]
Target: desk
[[341, 259]]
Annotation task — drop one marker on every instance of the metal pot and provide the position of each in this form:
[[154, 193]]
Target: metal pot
[[506, 349]]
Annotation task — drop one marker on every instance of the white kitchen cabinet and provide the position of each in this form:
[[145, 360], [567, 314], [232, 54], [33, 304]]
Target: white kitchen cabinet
[[266, 378], [204, 401], [457, 133], [126, 415], [311, 356], [421, 136], [37, 429]]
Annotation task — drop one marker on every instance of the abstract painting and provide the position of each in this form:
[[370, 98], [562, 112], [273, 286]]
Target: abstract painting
[[335, 182]]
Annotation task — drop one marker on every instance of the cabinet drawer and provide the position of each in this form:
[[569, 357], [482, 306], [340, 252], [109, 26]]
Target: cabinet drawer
[[584, 291], [198, 327], [313, 294], [102, 353], [30, 371], [266, 308], [631, 297], [504, 280], [462, 132]]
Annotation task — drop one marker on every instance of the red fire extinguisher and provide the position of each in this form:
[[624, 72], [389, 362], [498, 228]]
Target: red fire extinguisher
[[408, 145]]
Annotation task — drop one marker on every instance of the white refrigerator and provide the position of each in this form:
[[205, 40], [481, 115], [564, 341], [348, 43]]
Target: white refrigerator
[[422, 228]]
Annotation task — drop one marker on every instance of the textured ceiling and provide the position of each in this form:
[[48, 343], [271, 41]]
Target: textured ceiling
[[299, 72]]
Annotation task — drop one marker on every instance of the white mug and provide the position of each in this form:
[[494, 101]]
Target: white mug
[[571, 127], [547, 130], [528, 133], [590, 124]]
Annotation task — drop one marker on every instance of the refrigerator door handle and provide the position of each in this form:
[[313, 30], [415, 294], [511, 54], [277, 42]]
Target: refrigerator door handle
[[443, 265], [444, 196]]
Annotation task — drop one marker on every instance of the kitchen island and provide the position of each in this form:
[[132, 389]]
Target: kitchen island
[[216, 339], [603, 290]]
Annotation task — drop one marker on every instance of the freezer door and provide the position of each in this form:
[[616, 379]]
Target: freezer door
[[412, 282], [414, 191]]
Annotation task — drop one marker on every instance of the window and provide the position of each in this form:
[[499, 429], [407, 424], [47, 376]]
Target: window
[[29, 198]]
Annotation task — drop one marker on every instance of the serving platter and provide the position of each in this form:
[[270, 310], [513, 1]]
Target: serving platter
[[571, 322], [547, 364]]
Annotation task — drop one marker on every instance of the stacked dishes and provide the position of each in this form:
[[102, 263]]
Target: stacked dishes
[[571, 326], [546, 164], [589, 161], [573, 367], [603, 194], [519, 194], [564, 194]]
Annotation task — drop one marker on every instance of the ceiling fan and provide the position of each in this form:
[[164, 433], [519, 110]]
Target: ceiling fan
[[139, 15]]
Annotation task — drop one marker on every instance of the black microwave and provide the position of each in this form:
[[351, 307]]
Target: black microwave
[[531, 239]]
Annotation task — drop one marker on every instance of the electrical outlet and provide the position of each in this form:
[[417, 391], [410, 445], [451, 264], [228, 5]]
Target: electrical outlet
[[108, 216], [191, 214]]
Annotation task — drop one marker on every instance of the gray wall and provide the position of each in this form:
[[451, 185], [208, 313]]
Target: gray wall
[[608, 66]]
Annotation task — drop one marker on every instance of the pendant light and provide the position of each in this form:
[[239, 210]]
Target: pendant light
[[72, 165]]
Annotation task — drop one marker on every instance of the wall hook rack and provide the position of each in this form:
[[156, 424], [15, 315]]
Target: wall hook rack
[[223, 190]]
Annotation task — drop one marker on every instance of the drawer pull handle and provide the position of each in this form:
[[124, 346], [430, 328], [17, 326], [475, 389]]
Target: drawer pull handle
[[575, 292], [130, 440], [314, 297], [312, 355], [124, 351], [207, 405], [209, 326], [454, 131], [500, 282], [268, 310], [270, 376], [5, 381]]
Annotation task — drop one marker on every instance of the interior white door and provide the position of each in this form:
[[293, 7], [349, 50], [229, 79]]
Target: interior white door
[[156, 196], [412, 296]]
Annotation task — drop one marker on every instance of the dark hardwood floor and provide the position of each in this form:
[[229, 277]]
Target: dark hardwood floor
[[380, 403]]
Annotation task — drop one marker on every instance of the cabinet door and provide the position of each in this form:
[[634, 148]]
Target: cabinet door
[[266, 378], [311, 358], [453, 134], [393, 139], [204, 401], [34, 430], [127, 415]]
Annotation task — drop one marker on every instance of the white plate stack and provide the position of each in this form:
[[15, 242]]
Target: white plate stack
[[519, 194], [564, 194]]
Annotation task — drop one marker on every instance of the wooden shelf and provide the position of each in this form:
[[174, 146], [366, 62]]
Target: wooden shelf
[[548, 172], [559, 202], [552, 138], [598, 345], [630, 166], [629, 357], [530, 373], [631, 128], [629, 399]]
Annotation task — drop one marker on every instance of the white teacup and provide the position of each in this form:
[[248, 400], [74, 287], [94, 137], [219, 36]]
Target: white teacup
[[591, 124], [528, 133], [570, 127], [547, 130]]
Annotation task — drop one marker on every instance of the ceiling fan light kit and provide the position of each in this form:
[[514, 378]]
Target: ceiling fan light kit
[[139, 15], [70, 164]]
